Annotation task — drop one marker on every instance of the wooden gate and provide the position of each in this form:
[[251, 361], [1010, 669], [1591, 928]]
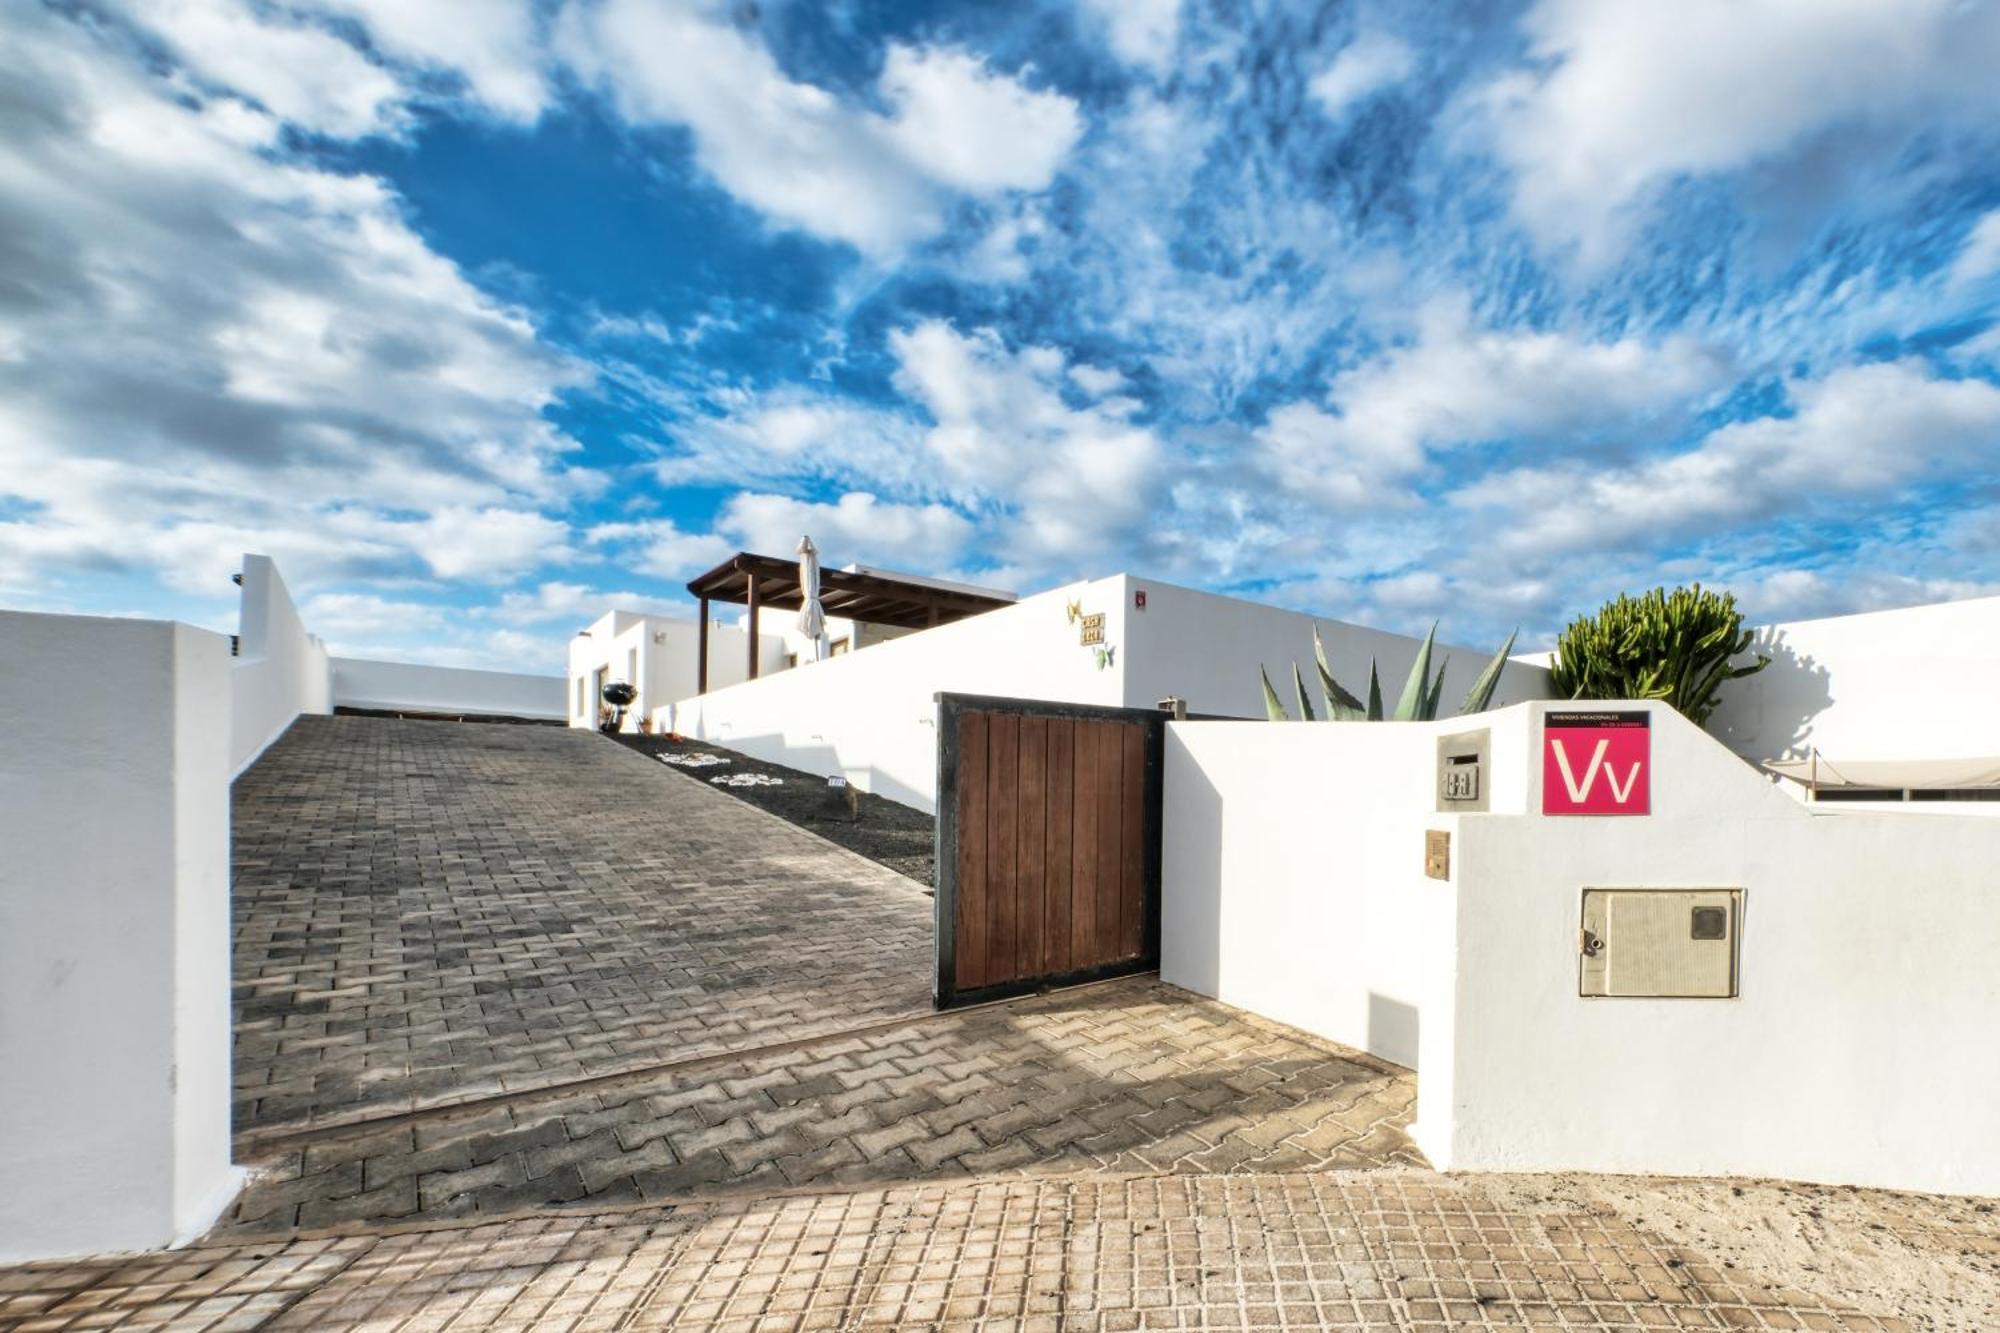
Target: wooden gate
[[1048, 845]]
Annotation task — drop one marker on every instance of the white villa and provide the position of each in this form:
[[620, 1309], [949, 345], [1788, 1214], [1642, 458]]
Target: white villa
[[1837, 716], [673, 657], [1327, 877]]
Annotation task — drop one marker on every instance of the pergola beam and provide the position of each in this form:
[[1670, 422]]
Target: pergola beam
[[871, 599]]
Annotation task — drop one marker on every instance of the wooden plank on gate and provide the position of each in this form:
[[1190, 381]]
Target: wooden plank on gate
[[1133, 834], [1048, 859], [1060, 820], [1083, 850], [969, 906], [1110, 801], [1003, 795], [1030, 862]]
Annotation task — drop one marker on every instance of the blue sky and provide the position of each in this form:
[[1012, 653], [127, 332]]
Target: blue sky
[[480, 317]]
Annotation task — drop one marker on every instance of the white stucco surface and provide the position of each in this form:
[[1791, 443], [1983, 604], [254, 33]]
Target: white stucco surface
[[279, 671], [870, 716], [114, 936], [660, 655], [420, 688], [1915, 683], [1206, 649], [1859, 1050], [1271, 901]]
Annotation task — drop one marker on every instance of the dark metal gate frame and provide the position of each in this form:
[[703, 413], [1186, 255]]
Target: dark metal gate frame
[[944, 992]]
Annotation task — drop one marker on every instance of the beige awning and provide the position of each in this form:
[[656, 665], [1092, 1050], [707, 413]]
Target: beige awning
[[1890, 774]]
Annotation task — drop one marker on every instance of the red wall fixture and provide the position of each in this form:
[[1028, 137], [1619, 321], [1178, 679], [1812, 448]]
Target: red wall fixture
[[1597, 763]]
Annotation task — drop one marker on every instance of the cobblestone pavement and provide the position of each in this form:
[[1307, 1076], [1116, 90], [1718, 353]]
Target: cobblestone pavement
[[1129, 1076], [429, 913], [1381, 1250]]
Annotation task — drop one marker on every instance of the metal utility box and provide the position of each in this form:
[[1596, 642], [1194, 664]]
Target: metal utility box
[[1461, 772], [1662, 943]]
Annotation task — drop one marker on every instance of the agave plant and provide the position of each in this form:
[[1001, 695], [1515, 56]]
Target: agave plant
[[1422, 692]]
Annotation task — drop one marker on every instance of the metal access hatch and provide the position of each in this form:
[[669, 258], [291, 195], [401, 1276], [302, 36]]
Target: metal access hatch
[[1660, 943]]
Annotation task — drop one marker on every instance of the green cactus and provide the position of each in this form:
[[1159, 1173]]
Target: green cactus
[[1422, 692], [1674, 646]]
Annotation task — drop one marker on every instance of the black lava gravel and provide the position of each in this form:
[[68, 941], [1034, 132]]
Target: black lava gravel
[[878, 828]]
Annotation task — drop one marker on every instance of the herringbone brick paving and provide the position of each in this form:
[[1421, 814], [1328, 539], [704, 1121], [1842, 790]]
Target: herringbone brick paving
[[1401, 1250], [430, 912], [1131, 1076], [1201, 1181]]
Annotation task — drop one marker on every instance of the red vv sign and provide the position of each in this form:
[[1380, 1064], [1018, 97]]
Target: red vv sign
[[1596, 763]]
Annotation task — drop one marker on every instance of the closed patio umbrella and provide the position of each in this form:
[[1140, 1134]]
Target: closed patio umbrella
[[812, 616]]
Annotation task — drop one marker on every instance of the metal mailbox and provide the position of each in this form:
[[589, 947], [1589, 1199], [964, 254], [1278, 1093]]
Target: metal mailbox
[[1461, 772]]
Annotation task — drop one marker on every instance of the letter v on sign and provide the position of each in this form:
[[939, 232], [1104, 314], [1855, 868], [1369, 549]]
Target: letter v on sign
[[1615, 750]]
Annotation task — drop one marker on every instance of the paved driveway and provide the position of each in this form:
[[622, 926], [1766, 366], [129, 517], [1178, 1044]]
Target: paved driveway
[[1126, 1077], [488, 968], [632, 1054], [428, 913], [1387, 1251]]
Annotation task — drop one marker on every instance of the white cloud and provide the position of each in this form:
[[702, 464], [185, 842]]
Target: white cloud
[[1634, 94], [1808, 594], [297, 62], [1980, 255], [483, 543], [1367, 65], [1141, 32], [572, 603], [794, 433], [660, 547], [492, 45], [218, 347], [1075, 483], [1097, 381], [971, 129], [798, 152], [856, 529], [345, 619], [299, 72], [1456, 385], [1864, 431]]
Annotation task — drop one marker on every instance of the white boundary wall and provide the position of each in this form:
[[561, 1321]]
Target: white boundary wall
[[1916, 683], [871, 715], [1206, 648], [1859, 1052], [658, 654], [280, 670], [417, 688], [114, 937]]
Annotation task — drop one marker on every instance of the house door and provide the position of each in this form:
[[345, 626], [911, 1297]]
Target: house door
[[1048, 845]]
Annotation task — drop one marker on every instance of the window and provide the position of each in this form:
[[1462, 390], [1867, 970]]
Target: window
[[839, 646], [632, 667], [582, 704]]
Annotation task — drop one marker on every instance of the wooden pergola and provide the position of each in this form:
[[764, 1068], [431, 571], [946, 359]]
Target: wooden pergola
[[758, 581]]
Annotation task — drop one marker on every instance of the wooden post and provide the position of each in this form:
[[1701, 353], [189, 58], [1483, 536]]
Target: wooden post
[[701, 652], [753, 627]]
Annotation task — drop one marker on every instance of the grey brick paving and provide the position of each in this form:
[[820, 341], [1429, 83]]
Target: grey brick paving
[[1123, 1157], [1128, 1076], [428, 913], [1401, 1250]]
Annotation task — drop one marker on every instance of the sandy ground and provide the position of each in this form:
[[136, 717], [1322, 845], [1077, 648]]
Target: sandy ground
[[1933, 1259]]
